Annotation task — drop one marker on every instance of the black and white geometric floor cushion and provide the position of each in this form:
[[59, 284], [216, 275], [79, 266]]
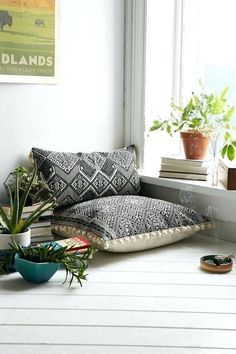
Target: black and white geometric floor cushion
[[84, 176], [128, 223]]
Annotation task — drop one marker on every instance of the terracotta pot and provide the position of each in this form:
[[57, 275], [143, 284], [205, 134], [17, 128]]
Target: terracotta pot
[[195, 145]]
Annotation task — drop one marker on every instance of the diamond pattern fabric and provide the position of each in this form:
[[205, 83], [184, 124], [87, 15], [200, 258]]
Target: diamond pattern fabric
[[128, 223], [79, 177]]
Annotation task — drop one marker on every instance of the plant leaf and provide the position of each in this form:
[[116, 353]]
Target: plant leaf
[[223, 150], [15, 210], [4, 220], [26, 191], [231, 152], [227, 136]]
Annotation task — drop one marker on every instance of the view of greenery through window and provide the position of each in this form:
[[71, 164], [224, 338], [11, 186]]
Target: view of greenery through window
[[187, 40]]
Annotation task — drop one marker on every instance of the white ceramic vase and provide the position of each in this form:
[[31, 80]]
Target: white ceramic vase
[[23, 239]]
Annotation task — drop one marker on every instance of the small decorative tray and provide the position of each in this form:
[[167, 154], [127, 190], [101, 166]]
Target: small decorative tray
[[216, 263]]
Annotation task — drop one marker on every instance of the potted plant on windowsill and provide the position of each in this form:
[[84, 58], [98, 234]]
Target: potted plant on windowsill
[[12, 224], [202, 119]]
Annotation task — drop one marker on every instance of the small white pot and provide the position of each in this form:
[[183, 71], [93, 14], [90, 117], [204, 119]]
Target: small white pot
[[23, 239]]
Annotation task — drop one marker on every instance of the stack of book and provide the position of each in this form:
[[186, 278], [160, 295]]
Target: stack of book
[[180, 168], [41, 229], [77, 243]]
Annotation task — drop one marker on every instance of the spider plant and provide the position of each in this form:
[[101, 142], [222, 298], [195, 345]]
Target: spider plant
[[12, 223]]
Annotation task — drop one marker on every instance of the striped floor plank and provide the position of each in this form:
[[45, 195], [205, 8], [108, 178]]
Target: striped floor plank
[[157, 301]]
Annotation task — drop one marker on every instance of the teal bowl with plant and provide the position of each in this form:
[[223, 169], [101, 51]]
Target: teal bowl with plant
[[38, 264], [35, 272]]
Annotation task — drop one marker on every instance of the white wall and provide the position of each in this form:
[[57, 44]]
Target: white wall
[[84, 111]]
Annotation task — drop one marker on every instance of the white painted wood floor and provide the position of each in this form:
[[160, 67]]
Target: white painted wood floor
[[157, 301]]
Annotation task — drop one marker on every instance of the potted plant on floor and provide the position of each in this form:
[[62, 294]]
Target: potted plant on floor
[[38, 264], [203, 118], [12, 226]]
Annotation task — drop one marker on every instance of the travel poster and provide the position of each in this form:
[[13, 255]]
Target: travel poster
[[27, 41]]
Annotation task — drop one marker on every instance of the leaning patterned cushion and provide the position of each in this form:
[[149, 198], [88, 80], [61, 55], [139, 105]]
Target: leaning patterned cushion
[[84, 176], [128, 223]]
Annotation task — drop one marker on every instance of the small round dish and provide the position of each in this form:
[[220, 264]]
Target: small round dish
[[216, 263]]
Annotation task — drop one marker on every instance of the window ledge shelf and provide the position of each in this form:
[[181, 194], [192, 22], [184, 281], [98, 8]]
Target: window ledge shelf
[[196, 186]]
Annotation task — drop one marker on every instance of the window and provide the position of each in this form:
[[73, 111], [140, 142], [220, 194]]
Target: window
[[186, 40]]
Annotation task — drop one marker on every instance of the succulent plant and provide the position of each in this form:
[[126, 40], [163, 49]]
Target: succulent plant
[[13, 223]]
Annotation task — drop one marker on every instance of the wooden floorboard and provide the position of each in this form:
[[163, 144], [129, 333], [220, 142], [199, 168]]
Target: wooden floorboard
[[156, 301]]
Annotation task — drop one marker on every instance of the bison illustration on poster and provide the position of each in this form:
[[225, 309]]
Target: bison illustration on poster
[[27, 40], [5, 19]]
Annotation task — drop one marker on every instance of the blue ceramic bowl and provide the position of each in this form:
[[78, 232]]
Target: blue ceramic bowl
[[35, 272]]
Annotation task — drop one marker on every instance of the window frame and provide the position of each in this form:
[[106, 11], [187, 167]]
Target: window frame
[[134, 120], [134, 73]]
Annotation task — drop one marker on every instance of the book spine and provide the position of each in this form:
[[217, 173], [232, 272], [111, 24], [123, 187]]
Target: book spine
[[70, 250], [184, 169], [189, 176], [40, 231], [186, 162], [40, 225]]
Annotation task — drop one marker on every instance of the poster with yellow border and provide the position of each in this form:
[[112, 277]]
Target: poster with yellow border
[[27, 41]]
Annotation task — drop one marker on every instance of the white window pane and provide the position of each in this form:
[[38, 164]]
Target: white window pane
[[209, 51], [159, 78]]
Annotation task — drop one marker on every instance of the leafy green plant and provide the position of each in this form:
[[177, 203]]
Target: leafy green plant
[[74, 263], [209, 114], [13, 223]]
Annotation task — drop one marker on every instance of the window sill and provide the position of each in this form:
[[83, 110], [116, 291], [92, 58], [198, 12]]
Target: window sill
[[197, 186]]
